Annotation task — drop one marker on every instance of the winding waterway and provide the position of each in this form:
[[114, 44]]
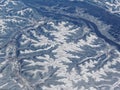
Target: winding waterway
[[97, 12]]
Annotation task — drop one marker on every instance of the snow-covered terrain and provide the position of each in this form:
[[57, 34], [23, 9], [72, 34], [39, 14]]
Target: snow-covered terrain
[[58, 45], [112, 6]]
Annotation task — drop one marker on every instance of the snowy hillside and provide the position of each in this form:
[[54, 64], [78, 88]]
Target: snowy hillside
[[112, 6], [58, 45]]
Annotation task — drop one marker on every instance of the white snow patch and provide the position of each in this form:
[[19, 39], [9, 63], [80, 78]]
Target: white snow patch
[[22, 12], [2, 26]]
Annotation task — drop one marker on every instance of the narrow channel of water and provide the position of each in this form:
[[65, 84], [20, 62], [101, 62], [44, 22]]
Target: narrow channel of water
[[97, 12]]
